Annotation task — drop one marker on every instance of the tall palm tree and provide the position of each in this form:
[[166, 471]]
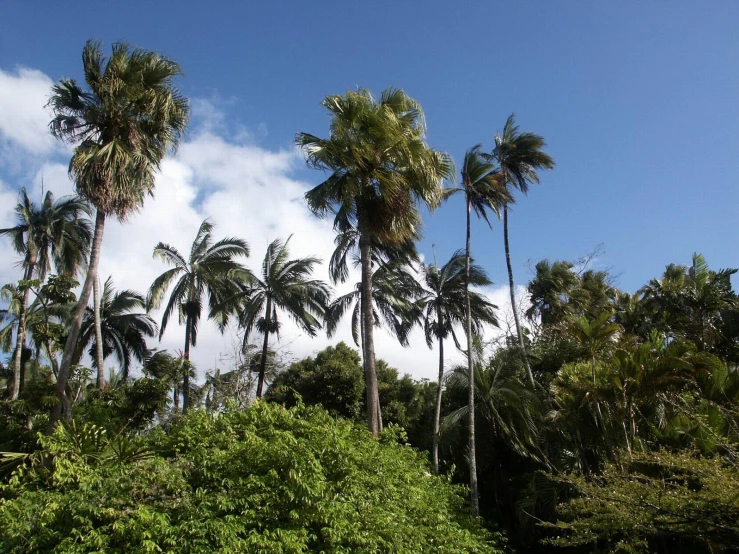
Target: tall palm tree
[[483, 192], [284, 285], [210, 270], [520, 157], [443, 304], [123, 123], [54, 233], [381, 169], [124, 330]]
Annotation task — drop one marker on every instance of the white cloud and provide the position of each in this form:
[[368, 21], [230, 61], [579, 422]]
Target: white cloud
[[23, 119], [248, 191]]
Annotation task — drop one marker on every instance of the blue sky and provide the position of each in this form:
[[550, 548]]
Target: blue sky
[[638, 102]]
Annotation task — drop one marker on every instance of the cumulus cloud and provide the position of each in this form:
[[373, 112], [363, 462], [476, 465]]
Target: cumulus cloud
[[246, 190], [23, 119]]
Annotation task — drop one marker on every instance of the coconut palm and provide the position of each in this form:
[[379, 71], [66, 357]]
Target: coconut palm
[[124, 330], [210, 270], [483, 193], [285, 285], [122, 123], [55, 233], [443, 305], [520, 157], [381, 169]]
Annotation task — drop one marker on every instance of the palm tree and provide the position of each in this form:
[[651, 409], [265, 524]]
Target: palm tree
[[509, 408], [123, 123], [551, 292], [595, 336], [394, 289], [285, 285], [45, 317], [54, 232], [124, 330], [381, 169], [443, 304], [690, 301], [519, 156], [483, 191], [210, 270]]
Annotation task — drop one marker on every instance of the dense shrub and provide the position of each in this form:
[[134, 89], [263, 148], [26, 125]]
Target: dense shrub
[[266, 479]]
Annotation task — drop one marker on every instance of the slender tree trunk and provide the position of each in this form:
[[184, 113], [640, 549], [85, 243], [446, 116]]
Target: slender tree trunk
[[263, 361], [75, 324], [521, 343], [20, 339], [52, 359], [474, 497], [186, 373], [370, 375], [364, 353], [437, 412], [98, 333], [176, 398]]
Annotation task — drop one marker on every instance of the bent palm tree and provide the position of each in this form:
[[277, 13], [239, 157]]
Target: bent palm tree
[[443, 304], [54, 232], [285, 285], [124, 330], [210, 270], [507, 407], [381, 168], [123, 123], [519, 156]]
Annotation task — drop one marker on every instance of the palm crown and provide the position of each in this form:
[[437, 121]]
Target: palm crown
[[124, 328], [284, 285], [380, 164], [209, 270], [123, 124], [443, 299], [54, 233]]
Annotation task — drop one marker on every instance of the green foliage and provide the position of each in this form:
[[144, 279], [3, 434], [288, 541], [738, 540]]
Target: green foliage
[[132, 405], [665, 499], [333, 379], [265, 479]]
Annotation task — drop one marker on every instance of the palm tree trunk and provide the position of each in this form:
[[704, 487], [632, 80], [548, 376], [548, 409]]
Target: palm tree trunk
[[76, 323], [176, 398], [98, 333], [370, 375], [474, 497], [186, 373], [263, 361], [361, 338], [529, 374], [437, 412], [21, 333]]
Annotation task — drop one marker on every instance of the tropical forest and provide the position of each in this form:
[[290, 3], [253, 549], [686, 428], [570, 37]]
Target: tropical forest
[[560, 412]]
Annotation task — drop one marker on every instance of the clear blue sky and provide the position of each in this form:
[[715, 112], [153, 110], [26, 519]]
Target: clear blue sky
[[638, 101]]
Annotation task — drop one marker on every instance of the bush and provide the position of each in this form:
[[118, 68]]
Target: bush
[[265, 479]]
